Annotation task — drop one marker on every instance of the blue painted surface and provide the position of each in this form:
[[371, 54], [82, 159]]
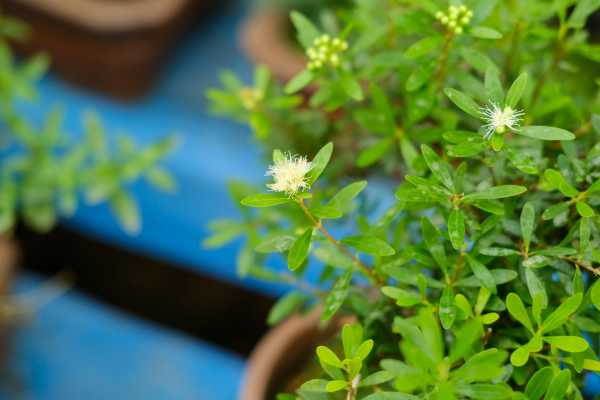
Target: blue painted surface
[[212, 151], [75, 348], [592, 385]]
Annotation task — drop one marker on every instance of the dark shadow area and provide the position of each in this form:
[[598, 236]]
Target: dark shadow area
[[227, 315]]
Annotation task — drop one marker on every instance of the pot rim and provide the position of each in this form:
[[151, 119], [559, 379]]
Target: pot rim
[[281, 348], [263, 39]]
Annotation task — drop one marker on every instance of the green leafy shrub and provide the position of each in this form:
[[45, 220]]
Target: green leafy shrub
[[44, 169], [480, 280]]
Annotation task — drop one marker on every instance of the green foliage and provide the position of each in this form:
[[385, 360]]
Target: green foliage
[[480, 280], [45, 170]]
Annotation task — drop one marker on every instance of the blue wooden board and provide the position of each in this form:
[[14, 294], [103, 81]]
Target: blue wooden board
[[76, 348], [212, 151]]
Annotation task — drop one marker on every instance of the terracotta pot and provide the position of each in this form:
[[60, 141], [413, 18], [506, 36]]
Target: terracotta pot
[[265, 39], [283, 351], [8, 259], [115, 47]]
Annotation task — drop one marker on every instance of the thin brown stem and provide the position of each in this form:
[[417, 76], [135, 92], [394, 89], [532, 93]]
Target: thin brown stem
[[443, 62], [583, 264], [368, 272]]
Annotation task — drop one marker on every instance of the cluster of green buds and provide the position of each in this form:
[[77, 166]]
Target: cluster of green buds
[[250, 97], [325, 51], [455, 19]]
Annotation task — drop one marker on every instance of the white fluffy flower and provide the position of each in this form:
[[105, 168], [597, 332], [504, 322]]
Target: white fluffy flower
[[289, 174], [498, 120]]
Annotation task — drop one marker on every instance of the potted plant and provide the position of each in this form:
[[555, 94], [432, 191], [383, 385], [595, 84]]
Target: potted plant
[[44, 170], [266, 35], [480, 279]]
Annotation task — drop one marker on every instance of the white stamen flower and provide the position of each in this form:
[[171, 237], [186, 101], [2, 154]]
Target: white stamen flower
[[289, 174], [498, 120]]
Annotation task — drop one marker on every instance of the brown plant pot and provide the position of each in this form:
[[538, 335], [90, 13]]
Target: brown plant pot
[[283, 351], [114, 47], [265, 39], [8, 260]]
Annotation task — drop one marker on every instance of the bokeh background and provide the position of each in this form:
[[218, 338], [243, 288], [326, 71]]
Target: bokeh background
[[151, 315]]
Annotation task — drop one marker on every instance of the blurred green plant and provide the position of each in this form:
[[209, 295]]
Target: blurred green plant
[[44, 170], [481, 280]]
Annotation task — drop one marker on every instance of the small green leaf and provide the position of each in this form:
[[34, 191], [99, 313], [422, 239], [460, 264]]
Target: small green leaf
[[336, 385], [527, 223], [299, 82], [559, 316], [485, 391], [343, 199], [556, 179], [326, 212], [299, 250], [456, 228], [327, 356], [537, 385], [594, 187], [306, 31], [520, 356], [352, 336], [572, 344], [285, 306], [431, 235], [558, 386], [377, 378], [464, 102], [591, 365], [319, 163], [265, 200], [584, 234], [374, 153], [595, 294], [364, 350], [555, 210], [390, 396], [315, 386], [351, 86], [369, 245], [516, 90], [482, 273], [496, 192], [423, 47], [438, 167], [493, 86], [122, 204], [517, 310], [584, 209], [420, 76], [536, 287], [483, 32], [336, 296], [583, 9], [447, 308], [404, 298], [275, 244], [545, 133]]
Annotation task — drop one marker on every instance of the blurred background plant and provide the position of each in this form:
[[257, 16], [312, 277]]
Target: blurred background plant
[[45, 169]]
